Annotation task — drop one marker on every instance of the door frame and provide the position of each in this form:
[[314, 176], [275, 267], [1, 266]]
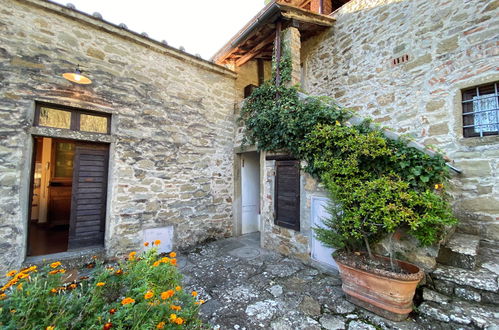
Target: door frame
[[30, 172], [237, 204]]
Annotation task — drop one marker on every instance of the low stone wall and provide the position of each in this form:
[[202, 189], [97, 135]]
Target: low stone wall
[[171, 155]]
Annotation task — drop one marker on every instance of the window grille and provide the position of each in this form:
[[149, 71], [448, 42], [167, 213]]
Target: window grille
[[481, 110]]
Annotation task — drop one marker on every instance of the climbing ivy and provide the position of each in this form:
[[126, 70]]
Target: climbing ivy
[[377, 184]]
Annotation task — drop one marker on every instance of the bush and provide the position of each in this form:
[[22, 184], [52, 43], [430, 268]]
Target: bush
[[141, 292], [377, 185]]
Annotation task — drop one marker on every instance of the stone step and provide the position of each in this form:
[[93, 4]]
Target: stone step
[[479, 285], [460, 313], [488, 258], [460, 251]]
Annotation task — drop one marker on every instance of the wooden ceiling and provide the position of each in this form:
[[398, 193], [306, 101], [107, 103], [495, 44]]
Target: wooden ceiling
[[256, 39]]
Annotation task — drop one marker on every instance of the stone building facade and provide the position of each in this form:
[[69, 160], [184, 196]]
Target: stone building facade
[[171, 138], [446, 46], [175, 160], [404, 64]]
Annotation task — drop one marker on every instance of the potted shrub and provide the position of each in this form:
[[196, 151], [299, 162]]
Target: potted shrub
[[378, 186]]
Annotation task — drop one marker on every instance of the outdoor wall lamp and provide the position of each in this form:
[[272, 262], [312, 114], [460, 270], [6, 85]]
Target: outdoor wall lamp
[[77, 77]]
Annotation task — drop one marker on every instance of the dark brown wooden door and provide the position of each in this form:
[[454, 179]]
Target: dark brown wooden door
[[287, 194], [88, 204]]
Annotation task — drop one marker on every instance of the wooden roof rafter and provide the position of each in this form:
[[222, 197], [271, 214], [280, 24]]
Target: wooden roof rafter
[[256, 39]]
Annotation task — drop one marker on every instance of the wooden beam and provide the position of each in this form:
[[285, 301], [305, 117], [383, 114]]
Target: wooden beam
[[277, 49], [253, 52]]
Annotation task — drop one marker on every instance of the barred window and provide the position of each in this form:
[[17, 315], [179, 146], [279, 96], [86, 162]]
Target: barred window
[[481, 110]]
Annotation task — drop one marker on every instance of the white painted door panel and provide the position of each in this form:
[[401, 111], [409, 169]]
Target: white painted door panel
[[250, 192], [320, 252]]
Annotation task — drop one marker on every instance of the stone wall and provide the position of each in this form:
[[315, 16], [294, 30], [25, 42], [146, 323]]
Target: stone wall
[[248, 74], [450, 45], [172, 135]]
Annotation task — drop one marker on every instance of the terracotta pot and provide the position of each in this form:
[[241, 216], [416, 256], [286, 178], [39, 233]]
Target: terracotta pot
[[386, 296]]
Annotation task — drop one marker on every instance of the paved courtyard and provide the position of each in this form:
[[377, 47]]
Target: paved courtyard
[[246, 287]]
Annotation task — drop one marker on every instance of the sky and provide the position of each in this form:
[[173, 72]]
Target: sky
[[201, 27]]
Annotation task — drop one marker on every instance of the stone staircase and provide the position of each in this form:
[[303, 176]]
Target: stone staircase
[[463, 291]]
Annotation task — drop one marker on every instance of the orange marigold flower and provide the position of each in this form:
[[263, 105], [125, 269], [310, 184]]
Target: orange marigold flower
[[101, 284], [194, 293], [119, 272], [53, 290], [157, 242], [175, 307], [3, 296], [55, 264], [156, 263], [107, 326], [178, 288], [112, 311], [172, 254], [127, 301], [131, 255], [165, 260], [73, 286], [179, 320], [173, 317], [146, 243], [11, 273], [149, 295], [167, 294], [173, 262], [21, 276], [160, 325]]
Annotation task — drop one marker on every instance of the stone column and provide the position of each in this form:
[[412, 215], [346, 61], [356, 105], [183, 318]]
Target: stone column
[[291, 43]]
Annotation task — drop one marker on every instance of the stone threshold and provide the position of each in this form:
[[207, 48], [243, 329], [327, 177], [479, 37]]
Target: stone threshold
[[71, 259]]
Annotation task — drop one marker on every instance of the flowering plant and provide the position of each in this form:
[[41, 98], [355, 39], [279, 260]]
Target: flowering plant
[[141, 292]]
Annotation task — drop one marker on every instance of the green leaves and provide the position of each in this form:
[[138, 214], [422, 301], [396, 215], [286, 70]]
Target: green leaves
[[380, 184]]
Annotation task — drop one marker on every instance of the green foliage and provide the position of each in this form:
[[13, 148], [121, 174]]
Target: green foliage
[[281, 123], [378, 184], [44, 300]]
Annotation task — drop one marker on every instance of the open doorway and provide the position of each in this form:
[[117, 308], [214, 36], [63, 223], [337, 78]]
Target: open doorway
[[68, 191], [250, 192]]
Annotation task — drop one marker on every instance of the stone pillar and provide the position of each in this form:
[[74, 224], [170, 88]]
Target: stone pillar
[[291, 44]]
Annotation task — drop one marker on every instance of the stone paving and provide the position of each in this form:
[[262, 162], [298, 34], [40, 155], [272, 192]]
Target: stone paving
[[247, 287]]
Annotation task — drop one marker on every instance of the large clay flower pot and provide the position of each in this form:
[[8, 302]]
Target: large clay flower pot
[[388, 294]]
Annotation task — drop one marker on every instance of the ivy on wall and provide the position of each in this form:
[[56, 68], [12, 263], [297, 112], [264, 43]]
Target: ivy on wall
[[377, 184]]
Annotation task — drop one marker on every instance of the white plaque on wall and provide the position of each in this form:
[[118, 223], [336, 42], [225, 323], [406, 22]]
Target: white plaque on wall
[[164, 234]]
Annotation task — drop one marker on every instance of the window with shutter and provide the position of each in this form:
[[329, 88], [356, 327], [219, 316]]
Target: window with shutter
[[287, 194]]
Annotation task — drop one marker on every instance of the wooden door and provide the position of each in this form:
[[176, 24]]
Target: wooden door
[[88, 205], [287, 194]]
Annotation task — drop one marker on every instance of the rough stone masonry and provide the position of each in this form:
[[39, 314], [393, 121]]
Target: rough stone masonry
[[172, 128]]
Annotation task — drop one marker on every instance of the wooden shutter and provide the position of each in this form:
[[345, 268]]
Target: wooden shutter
[[287, 194], [88, 204]]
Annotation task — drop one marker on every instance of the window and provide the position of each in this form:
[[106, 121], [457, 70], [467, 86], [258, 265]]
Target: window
[[73, 119], [287, 194], [481, 110]]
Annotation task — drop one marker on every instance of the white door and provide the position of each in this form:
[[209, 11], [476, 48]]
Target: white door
[[250, 192], [320, 252]]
